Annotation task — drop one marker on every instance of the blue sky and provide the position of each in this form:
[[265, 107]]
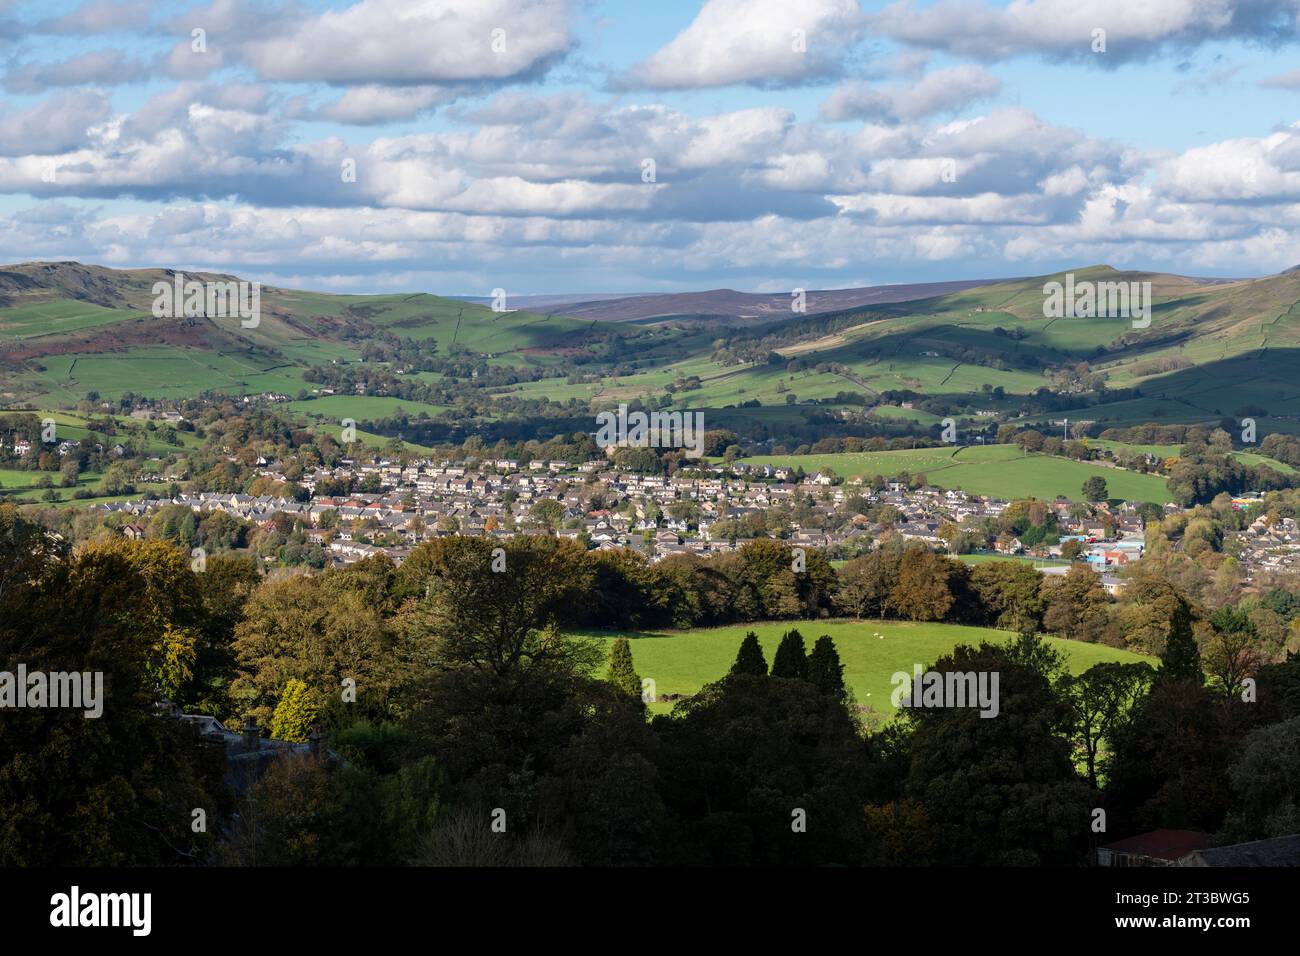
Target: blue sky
[[502, 143]]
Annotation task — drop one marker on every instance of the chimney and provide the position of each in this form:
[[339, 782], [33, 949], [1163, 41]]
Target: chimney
[[250, 733], [315, 740]]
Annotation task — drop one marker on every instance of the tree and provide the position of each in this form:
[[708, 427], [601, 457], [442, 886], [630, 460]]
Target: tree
[[866, 583], [791, 658], [999, 791], [1076, 605], [739, 759], [781, 596], [1181, 659], [825, 672], [1010, 592], [496, 619], [123, 611], [923, 592], [622, 674], [1094, 489], [1267, 801], [1170, 760], [750, 659], [294, 714], [1100, 698], [1232, 652], [547, 512]]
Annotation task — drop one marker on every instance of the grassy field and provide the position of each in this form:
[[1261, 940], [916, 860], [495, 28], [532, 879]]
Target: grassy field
[[57, 316], [161, 372], [1172, 451], [369, 438], [363, 408], [1004, 471], [681, 662]]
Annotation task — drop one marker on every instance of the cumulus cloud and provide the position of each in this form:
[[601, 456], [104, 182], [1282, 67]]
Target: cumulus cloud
[[101, 68], [1064, 28], [516, 178], [434, 41], [759, 42], [1249, 170], [97, 16], [943, 91], [374, 104], [54, 125]]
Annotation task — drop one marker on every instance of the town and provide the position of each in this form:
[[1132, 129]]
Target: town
[[654, 515]]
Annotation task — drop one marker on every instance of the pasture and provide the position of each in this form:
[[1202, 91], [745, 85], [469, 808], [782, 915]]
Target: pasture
[[1003, 471], [681, 662]]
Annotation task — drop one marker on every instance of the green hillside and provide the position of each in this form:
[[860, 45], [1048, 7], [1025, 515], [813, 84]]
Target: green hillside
[[67, 329], [1004, 471]]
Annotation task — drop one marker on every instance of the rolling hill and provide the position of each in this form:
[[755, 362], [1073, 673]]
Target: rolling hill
[[67, 329], [728, 305], [1213, 348]]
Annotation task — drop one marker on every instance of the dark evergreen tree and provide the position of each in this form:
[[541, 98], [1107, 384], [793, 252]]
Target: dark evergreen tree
[[1181, 659], [825, 671], [750, 659], [622, 674], [791, 658]]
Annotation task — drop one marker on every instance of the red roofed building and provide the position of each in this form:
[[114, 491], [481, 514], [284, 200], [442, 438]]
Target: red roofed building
[[1156, 848]]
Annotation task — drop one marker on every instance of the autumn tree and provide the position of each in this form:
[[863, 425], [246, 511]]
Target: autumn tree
[[866, 584], [1010, 594], [1076, 605], [1232, 653], [294, 714], [923, 591]]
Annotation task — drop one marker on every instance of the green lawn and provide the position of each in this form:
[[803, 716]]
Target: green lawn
[[1003, 471], [681, 662]]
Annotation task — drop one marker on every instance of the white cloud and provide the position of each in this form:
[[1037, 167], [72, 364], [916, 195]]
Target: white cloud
[[364, 105], [761, 42], [416, 41], [98, 16], [943, 91], [54, 125], [100, 67], [1064, 28]]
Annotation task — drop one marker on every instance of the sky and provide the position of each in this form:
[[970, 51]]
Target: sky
[[563, 146]]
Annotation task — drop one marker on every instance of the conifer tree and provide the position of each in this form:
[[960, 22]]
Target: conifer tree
[[1181, 659], [825, 671], [750, 659], [791, 658], [622, 674]]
